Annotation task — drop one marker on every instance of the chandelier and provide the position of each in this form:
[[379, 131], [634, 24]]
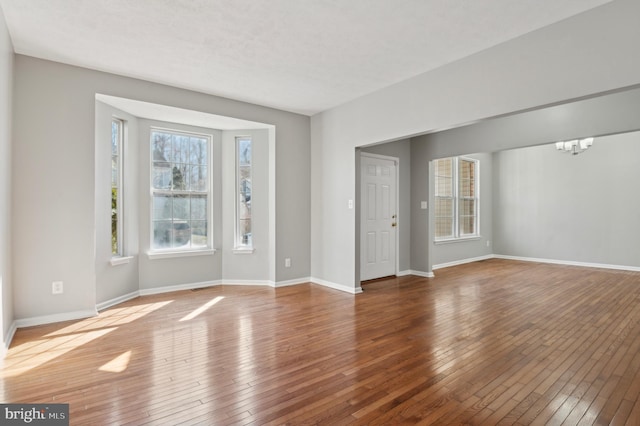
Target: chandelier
[[575, 146]]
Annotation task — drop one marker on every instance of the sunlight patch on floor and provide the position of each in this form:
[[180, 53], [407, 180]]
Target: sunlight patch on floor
[[41, 351], [201, 309], [118, 364], [33, 354]]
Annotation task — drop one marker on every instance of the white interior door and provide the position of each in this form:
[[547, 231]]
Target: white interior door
[[378, 219]]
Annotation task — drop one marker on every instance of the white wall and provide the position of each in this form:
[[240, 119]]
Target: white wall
[[54, 180], [583, 208], [6, 97], [533, 70]]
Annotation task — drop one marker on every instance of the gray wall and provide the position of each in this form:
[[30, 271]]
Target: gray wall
[[144, 273], [580, 208], [448, 252], [401, 150], [246, 267], [534, 70], [420, 244], [6, 97], [54, 179], [119, 280]]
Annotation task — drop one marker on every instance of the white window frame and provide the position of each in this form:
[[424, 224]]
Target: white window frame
[[160, 253], [241, 245], [456, 236], [120, 246]]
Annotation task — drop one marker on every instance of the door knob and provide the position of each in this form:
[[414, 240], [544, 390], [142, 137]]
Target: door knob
[[394, 224]]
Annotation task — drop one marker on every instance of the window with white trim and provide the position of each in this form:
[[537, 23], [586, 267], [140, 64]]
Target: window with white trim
[[117, 142], [180, 190], [244, 236], [456, 198]]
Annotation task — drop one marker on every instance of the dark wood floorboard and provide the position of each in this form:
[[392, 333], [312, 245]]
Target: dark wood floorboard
[[496, 342]]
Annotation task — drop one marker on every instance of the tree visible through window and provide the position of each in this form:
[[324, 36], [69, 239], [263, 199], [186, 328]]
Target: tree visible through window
[[180, 190], [456, 198], [244, 236]]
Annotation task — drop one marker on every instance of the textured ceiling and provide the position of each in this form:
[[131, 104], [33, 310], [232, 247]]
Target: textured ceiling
[[304, 56]]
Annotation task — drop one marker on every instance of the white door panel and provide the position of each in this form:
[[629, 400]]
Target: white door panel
[[378, 217]]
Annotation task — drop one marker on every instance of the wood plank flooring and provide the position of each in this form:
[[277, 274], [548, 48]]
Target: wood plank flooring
[[493, 342]]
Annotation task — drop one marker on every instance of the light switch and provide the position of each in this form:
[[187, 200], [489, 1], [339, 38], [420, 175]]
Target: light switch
[[423, 205]]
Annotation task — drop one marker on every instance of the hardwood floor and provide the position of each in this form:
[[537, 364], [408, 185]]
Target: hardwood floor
[[493, 342]]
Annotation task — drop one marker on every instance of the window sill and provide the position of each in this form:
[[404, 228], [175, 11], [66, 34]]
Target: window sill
[[458, 240], [185, 253], [243, 250], [120, 260]]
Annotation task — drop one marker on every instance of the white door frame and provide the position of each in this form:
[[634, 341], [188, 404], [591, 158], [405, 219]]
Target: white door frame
[[396, 161]]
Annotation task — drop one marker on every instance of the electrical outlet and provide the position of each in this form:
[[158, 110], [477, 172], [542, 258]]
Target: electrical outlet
[[488, 243], [57, 287], [287, 262]]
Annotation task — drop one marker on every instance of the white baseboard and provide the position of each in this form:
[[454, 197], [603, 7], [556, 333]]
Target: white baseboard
[[463, 261], [115, 301], [248, 282], [7, 340], [296, 281], [421, 274], [569, 263], [48, 319], [335, 286], [179, 287]]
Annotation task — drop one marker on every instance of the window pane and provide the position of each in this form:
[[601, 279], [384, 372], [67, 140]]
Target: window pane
[[180, 146], [199, 181], [181, 233], [467, 169], [181, 207], [161, 176], [198, 151], [180, 171], [444, 167], [115, 136], [244, 192], [199, 207], [467, 188], [444, 177], [444, 186], [114, 171], [162, 234], [114, 221], [161, 146], [467, 207], [245, 232], [198, 234], [444, 227], [456, 202], [467, 225], [162, 207], [116, 186], [444, 207], [180, 176], [244, 152]]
